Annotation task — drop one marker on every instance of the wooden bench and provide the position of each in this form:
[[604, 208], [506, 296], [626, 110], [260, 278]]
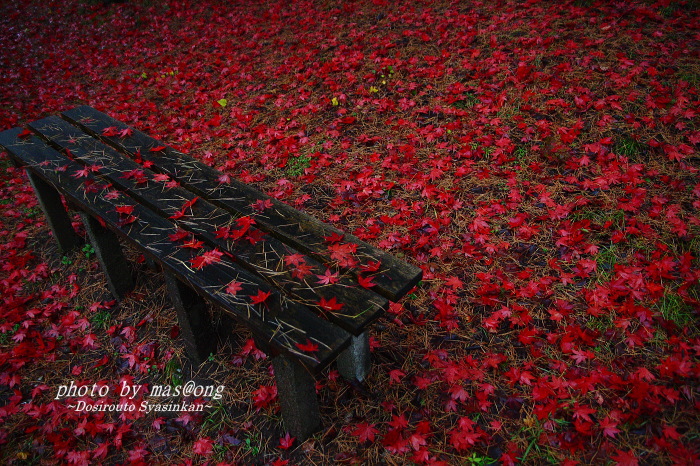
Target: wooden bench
[[306, 290]]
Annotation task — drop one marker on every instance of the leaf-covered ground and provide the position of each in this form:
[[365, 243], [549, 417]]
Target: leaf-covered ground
[[538, 160]]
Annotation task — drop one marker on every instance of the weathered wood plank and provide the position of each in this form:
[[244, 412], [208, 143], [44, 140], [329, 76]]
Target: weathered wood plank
[[394, 279], [286, 326], [268, 257]]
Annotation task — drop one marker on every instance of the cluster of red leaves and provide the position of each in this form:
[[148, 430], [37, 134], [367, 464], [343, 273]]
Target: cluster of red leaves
[[540, 165]]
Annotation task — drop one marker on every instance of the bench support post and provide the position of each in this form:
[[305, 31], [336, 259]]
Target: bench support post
[[296, 389], [109, 254], [56, 215], [354, 363], [193, 317]]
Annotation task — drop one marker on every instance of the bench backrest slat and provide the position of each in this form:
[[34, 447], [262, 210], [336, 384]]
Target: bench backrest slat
[[296, 228]]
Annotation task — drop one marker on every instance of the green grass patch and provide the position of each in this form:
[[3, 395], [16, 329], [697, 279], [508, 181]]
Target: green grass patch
[[297, 165], [628, 147], [173, 372], [606, 258], [217, 418], [601, 217], [601, 323], [672, 307], [467, 102], [5, 336], [100, 319]]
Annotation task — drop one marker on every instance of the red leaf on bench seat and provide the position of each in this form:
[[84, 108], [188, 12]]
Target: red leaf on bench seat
[[176, 215], [156, 149], [294, 259], [125, 209], [330, 304], [334, 238], [193, 243], [209, 257], [328, 278], [309, 346], [261, 297], [178, 235], [371, 266], [260, 205], [365, 282], [234, 287], [110, 131], [302, 270]]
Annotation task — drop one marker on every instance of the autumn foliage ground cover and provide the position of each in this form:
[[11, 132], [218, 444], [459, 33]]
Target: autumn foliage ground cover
[[538, 160]]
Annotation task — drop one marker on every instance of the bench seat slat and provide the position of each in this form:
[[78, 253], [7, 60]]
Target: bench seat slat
[[284, 329], [360, 306], [306, 233]]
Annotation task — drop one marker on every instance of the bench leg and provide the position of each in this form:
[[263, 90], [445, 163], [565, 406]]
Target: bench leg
[[56, 215], [354, 363], [192, 316], [296, 389], [109, 254]]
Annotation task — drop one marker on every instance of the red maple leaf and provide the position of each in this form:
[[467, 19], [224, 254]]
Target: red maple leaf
[[178, 235], [334, 238], [342, 252], [365, 432], [223, 232], [209, 257], [81, 173], [366, 282], [328, 278], [126, 132], [234, 287], [287, 441], [260, 205], [193, 243], [609, 427], [294, 259], [203, 446], [190, 203], [309, 346], [245, 222], [263, 396], [395, 376], [370, 267], [110, 131], [157, 149], [261, 297], [125, 209], [302, 270], [625, 458], [330, 304]]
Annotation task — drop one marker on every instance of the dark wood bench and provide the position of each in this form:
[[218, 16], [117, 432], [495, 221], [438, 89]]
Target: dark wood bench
[[306, 290]]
